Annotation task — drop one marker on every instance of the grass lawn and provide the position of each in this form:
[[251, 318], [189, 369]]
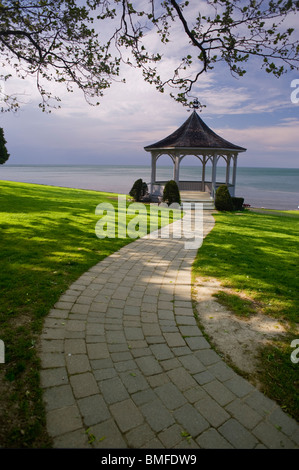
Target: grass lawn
[[48, 240], [258, 254]]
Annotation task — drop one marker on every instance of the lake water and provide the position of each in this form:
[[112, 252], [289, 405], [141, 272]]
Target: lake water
[[272, 188]]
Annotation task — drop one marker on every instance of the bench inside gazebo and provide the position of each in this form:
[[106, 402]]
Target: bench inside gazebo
[[194, 137]]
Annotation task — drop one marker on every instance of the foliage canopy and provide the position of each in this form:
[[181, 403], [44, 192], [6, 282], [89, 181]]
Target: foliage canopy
[[84, 43]]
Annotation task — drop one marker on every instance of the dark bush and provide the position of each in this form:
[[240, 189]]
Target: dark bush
[[223, 200], [238, 203], [171, 193], [138, 190]]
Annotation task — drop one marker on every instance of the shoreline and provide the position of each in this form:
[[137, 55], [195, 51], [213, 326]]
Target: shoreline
[[251, 207]]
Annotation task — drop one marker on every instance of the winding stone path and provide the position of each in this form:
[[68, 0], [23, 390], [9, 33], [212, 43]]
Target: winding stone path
[[124, 364]]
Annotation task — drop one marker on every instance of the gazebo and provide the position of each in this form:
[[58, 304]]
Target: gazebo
[[194, 137]]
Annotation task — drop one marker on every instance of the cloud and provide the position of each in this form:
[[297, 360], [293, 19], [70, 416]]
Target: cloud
[[275, 139], [255, 112]]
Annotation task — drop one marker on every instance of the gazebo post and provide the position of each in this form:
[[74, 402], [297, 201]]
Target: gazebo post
[[228, 157], [203, 173], [176, 171], [215, 157], [234, 174], [153, 173]]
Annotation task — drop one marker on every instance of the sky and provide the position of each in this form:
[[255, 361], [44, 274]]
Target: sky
[[256, 112]]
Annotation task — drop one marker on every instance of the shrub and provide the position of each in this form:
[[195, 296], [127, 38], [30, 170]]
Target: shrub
[[223, 200], [171, 193], [238, 203], [138, 190]]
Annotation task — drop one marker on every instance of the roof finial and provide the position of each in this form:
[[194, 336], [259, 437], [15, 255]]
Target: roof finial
[[195, 104]]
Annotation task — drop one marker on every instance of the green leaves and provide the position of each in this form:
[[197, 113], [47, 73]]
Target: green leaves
[[83, 43]]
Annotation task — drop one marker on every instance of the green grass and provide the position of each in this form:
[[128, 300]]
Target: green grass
[[48, 240], [258, 255]]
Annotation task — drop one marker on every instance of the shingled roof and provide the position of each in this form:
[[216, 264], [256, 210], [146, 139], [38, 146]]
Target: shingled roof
[[194, 133]]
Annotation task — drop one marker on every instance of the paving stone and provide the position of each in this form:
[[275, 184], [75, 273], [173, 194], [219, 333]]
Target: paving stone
[[106, 435], [63, 420], [181, 378], [134, 381], [195, 394], [161, 351], [84, 385], [180, 311], [190, 330], [149, 365], [58, 397], [170, 396], [174, 340], [52, 345], [144, 396], [140, 436], [113, 390], [237, 435], [76, 439], [75, 346], [53, 333], [197, 342], [211, 439], [170, 364], [171, 436], [97, 351], [191, 420], [151, 329], [158, 380], [272, 437], [239, 386], [260, 403], [95, 329], [93, 409], [156, 415], [204, 377], [53, 377], [207, 356], [103, 374], [58, 313], [126, 415], [133, 333], [115, 337], [191, 364], [77, 363], [212, 411], [243, 413], [185, 320], [218, 391], [284, 422], [50, 360], [182, 351]]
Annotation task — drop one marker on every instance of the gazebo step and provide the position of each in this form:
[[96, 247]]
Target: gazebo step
[[195, 196], [207, 205]]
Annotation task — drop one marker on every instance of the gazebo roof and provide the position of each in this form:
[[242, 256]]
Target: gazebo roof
[[194, 134]]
